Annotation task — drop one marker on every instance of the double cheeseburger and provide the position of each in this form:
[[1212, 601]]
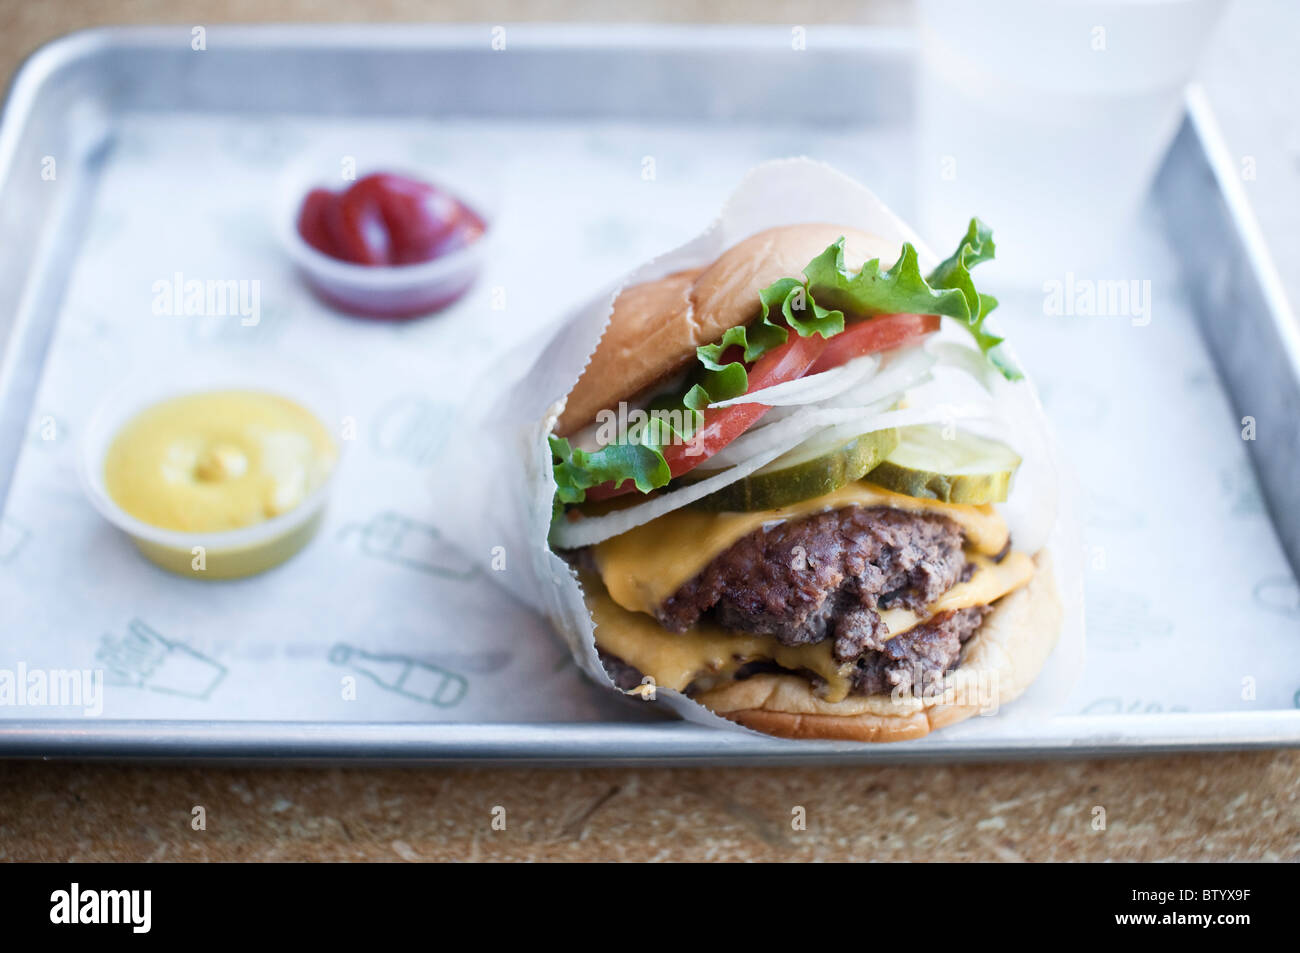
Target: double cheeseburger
[[766, 511]]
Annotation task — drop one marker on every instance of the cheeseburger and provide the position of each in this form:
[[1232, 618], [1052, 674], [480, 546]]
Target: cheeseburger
[[769, 511]]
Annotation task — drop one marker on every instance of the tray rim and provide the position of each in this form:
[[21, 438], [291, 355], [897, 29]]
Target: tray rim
[[43, 63], [37, 66], [676, 743], [670, 742], [1263, 266]]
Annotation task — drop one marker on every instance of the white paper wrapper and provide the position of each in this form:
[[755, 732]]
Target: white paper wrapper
[[494, 516]]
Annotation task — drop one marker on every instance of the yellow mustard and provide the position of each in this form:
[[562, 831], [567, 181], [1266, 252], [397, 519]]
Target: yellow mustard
[[216, 461]]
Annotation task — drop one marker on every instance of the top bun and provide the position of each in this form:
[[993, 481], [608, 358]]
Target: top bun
[[656, 326]]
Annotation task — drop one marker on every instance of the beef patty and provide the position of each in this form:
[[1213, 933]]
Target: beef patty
[[919, 655], [824, 577], [914, 659]]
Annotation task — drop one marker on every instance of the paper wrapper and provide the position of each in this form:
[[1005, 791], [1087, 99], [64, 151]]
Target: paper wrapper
[[498, 508]]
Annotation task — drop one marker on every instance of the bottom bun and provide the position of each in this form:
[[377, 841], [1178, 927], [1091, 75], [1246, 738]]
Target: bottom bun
[[998, 663]]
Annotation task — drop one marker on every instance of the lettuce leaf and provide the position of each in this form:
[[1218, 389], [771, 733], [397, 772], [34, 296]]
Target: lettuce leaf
[[720, 381], [954, 273], [576, 471], [829, 290], [817, 303], [900, 290]]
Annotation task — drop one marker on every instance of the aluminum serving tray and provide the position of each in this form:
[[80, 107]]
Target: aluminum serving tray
[[65, 100]]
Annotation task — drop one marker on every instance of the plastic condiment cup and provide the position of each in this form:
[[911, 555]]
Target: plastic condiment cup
[[223, 554], [378, 291]]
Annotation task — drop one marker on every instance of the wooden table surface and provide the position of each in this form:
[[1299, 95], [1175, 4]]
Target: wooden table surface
[[1205, 807], [1222, 807]]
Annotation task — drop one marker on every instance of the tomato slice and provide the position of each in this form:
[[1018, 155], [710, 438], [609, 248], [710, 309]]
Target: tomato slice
[[724, 424], [311, 220], [356, 225], [386, 219], [878, 334], [793, 359]]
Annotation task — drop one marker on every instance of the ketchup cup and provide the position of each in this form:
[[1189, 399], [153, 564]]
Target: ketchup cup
[[380, 290]]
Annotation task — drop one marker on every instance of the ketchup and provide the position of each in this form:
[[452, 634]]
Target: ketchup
[[387, 219]]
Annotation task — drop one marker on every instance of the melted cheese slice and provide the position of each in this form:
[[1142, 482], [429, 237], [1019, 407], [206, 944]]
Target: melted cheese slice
[[675, 660], [990, 580], [647, 564]]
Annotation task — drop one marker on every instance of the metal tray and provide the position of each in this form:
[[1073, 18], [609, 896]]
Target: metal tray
[[66, 98]]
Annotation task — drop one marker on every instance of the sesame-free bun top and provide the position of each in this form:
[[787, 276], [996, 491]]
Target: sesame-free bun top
[[656, 326]]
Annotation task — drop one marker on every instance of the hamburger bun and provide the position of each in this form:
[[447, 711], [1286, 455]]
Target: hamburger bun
[[656, 326], [1002, 657]]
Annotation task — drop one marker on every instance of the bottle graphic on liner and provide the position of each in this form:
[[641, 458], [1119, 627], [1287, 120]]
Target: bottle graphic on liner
[[412, 678]]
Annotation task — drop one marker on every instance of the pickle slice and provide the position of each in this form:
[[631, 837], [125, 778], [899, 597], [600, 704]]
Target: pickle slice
[[964, 469], [811, 469]]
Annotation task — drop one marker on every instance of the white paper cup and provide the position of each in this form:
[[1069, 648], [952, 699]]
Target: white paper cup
[[1048, 119]]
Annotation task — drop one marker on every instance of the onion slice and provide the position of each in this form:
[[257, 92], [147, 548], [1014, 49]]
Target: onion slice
[[758, 440], [963, 358], [901, 370], [811, 389]]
